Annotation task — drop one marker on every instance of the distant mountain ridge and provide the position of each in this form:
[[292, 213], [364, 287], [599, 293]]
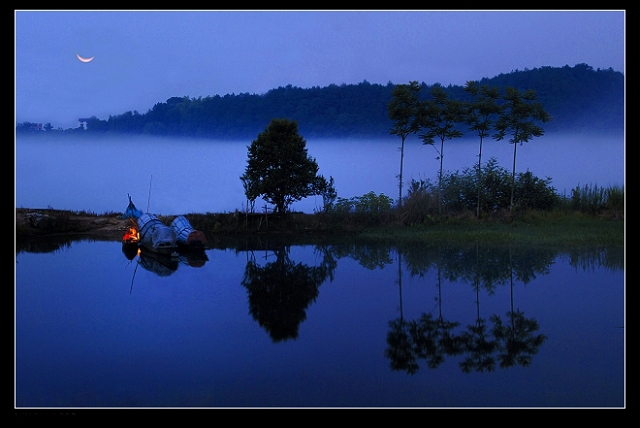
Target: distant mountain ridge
[[578, 98]]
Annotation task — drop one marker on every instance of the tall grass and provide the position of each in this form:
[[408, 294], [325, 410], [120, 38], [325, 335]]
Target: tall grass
[[595, 199]]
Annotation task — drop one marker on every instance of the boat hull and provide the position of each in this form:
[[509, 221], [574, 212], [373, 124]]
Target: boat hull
[[155, 235]]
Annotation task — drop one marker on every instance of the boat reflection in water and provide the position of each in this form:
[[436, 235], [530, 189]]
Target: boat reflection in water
[[164, 264], [130, 249], [160, 264]]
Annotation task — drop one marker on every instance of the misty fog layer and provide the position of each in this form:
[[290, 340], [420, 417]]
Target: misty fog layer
[[179, 176]]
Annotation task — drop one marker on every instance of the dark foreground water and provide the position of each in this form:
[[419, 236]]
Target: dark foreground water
[[266, 323]]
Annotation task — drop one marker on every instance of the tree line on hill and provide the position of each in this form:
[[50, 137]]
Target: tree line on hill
[[578, 98]]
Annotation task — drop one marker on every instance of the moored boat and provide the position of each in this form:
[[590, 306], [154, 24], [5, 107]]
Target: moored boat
[[186, 235], [155, 235]]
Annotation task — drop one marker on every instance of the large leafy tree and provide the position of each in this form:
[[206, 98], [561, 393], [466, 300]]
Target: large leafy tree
[[519, 120], [279, 169], [403, 110], [480, 112], [438, 119]]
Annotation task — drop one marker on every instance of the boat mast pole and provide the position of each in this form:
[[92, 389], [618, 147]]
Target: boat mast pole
[[149, 198]]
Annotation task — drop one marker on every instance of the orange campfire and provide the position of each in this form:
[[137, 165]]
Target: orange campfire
[[131, 236]]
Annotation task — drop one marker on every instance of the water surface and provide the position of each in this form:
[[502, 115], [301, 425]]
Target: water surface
[[270, 324]]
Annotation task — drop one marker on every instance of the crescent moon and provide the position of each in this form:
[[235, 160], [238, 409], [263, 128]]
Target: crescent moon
[[84, 59]]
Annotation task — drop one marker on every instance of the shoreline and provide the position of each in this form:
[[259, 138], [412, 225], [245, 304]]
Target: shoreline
[[544, 228], [42, 223]]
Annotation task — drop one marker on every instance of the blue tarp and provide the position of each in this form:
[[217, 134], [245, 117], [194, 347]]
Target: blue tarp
[[131, 211]]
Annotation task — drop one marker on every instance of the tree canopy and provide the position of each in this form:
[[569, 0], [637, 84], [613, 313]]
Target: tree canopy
[[279, 169]]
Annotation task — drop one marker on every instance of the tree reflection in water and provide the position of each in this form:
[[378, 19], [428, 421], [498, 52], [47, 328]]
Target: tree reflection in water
[[401, 351], [478, 344], [280, 291], [517, 342], [432, 339], [479, 348], [400, 348]]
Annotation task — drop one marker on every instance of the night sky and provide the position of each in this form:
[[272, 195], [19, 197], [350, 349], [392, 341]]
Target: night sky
[[141, 58]]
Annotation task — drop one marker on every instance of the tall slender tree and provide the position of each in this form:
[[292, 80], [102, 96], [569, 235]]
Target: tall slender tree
[[482, 108], [518, 120], [438, 118], [403, 110]]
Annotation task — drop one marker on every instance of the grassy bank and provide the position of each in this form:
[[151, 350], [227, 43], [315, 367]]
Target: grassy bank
[[545, 228], [575, 229]]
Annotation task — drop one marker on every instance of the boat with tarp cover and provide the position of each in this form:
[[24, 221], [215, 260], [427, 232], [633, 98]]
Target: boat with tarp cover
[[155, 235], [149, 231], [186, 236]]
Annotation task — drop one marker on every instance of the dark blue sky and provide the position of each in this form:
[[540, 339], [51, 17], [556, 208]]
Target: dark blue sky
[[145, 57]]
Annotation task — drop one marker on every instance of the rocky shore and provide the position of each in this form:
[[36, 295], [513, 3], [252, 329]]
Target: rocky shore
[[50, 222]]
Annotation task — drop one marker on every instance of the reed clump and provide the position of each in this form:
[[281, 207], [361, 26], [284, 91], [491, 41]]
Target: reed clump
[[594, 199]]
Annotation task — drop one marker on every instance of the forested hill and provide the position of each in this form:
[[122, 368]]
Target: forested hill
[[578, 98]]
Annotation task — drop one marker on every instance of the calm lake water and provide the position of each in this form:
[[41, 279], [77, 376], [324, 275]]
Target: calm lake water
[[174, 177], [265, 323]]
